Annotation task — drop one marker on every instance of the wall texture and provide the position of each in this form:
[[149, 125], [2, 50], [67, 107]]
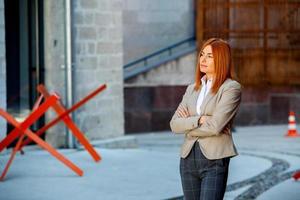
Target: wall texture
[[153, 106], [150, 25], [54, 43], [97, 59], [98, 51]]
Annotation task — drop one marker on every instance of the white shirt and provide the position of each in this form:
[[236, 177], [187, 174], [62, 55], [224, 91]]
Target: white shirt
[[206, 86]]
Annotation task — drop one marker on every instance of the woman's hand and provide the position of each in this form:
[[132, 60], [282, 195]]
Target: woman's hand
[[182, 112], [202, 119]]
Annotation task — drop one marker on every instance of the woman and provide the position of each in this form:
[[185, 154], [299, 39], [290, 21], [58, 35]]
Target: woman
[[205, 116]]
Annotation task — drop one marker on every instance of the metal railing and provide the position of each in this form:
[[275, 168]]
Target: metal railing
[[159, 57]]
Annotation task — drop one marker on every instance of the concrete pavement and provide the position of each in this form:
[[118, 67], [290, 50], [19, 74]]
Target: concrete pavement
[[150, 169]]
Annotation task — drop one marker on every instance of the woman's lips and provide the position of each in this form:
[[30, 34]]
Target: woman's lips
[[203, 66]]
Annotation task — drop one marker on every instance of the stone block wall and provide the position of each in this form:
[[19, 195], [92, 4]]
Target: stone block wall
[[269, 105], [98, 59], [150, 108]]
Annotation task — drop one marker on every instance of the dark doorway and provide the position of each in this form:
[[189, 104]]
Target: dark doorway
[[24, 55]]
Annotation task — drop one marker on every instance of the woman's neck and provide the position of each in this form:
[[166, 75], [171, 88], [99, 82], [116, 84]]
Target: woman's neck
[[209, 76]]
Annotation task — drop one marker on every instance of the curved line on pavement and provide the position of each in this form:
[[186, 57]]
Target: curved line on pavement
[[263, 181]]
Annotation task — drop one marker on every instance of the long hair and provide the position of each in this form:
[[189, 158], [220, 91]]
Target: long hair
[[223, 63]]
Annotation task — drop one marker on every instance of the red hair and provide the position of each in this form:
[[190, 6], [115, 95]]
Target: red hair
[[223, 64]]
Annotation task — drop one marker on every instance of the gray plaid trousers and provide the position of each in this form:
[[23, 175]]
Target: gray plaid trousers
[[201, 178]]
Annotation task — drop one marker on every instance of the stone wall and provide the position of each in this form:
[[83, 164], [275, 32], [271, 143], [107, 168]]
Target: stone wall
[[98, 51], [97, 59], [150, 108], [269, 105], [153, 106]]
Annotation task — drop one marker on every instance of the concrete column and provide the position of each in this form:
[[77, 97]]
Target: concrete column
[[54, 16], [98, 49]]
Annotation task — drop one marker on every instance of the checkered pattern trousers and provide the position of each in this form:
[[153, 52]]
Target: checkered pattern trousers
[[201, 178]]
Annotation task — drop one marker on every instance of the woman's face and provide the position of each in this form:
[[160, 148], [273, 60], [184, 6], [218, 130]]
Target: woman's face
[[207, 64]]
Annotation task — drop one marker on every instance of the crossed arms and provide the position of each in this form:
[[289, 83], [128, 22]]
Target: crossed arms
[[205, 126]]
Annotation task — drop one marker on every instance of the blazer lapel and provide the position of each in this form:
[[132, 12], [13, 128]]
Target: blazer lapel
[[209, 96], [194, 101]]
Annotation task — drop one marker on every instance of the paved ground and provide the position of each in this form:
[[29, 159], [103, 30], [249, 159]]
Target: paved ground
[[151, 171]]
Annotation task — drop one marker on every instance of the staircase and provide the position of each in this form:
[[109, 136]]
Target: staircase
[[159, 57]]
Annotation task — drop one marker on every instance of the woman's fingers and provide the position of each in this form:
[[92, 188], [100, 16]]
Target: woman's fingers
[[202, 119], [182, 111], [186, 112], [179, 112]]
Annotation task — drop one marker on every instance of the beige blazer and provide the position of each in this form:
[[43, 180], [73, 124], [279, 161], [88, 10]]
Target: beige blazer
[[215, 142]]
